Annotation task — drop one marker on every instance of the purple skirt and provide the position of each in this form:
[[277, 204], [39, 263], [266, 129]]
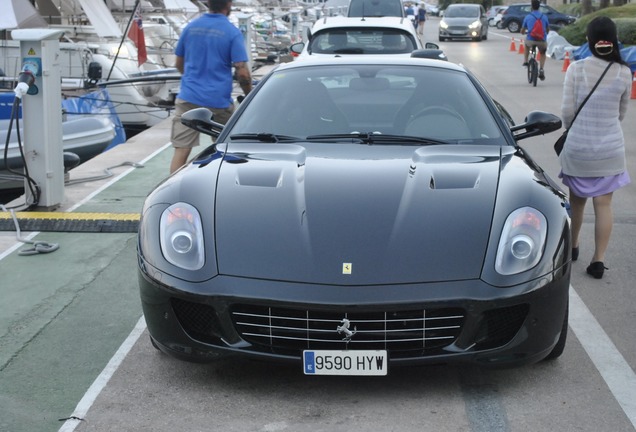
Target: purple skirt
[[589, 187]]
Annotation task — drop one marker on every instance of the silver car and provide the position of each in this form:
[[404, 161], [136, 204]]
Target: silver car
[[464, 21]]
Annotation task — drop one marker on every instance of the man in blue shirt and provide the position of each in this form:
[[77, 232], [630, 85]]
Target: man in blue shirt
[[540, 41], [207, 50]]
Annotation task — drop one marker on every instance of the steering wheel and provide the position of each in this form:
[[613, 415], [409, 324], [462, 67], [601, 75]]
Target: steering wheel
[[437, 110], [438, 121]]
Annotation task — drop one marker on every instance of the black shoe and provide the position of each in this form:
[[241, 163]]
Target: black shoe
[[541, 74], [525, 64], [596, 269], [575, 253]]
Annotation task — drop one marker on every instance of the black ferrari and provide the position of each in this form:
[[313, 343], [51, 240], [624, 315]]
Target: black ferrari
[[355, 215]]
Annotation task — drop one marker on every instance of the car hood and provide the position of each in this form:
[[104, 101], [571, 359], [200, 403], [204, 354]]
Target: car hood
[[355, 214]]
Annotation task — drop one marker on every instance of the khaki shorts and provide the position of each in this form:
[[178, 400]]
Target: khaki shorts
[[185, 137], [542, 45]]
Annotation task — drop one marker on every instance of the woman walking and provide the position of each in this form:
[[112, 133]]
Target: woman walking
[[593, 159]]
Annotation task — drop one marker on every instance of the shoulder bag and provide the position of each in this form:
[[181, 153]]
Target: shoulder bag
[[558, 145]]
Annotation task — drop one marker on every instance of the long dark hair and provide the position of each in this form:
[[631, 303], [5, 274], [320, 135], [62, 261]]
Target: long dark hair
[[602, 38]]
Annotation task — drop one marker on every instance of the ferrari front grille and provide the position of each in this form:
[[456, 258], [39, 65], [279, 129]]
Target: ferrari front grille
[[405, 333]]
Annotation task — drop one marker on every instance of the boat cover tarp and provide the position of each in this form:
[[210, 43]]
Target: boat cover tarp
[[96, 103], [627, 53]]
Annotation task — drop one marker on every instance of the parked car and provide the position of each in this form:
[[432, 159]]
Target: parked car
[[494, 15], [359, 36], [514, 15], [355, 213], [431, 9], [464, 21], [375, 8]]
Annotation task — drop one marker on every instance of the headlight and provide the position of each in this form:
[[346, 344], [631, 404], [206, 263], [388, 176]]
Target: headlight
[[475, 24], [443, 24], [522, 241], [181, 236]]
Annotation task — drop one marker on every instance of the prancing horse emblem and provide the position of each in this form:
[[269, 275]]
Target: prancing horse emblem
[[344, 328]]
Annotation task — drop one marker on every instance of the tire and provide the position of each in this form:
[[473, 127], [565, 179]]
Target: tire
[[514, 26], [491, 22], [154, 344], [500, 25], [560, 345], [535, 72]]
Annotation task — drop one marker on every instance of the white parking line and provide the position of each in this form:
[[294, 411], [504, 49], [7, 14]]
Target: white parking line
[[100, 382], [620, 378]]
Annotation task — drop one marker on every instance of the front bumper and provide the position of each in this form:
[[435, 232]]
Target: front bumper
[[451, 322], [459, 33]]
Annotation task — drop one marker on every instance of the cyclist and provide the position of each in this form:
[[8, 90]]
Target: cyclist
[[533, 39]]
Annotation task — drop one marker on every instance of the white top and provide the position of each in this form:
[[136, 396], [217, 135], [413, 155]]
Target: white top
[[595, 146]]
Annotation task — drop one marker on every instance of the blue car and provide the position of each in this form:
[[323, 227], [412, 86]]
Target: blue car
[[514, 15]]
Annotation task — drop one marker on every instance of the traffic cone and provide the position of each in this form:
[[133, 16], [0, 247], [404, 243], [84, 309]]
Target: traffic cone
[[566, 62], [521, 47], [634, 86], [538, 57], [512, 45]]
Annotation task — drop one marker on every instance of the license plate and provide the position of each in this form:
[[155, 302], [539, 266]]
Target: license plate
[[334, 362]]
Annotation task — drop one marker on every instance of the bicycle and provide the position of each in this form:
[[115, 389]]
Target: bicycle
[[533, 66]]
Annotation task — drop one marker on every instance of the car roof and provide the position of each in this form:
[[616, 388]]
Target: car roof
[[454, 5], [399, 23], [372, 60]]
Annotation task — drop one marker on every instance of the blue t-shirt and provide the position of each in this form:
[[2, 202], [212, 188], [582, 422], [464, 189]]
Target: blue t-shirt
[[209, 46], [528, 23]]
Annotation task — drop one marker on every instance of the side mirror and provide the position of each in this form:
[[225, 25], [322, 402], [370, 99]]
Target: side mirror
[[430, 53], [202, 120], [537, 123], [297, 48]]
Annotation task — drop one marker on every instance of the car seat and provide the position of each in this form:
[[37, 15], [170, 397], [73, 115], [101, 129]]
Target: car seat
[[337, 40], [392, 43], [312, 112]]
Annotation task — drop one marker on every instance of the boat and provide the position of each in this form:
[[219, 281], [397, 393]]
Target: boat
[[95, 54], [86, 137]]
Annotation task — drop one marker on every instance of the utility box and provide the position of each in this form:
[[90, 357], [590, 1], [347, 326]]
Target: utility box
[[42, 115]]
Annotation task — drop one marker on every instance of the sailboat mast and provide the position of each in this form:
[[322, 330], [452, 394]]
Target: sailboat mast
[[123, 37]]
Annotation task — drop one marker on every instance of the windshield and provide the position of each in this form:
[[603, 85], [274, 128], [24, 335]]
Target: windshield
[[362, 41], [462, 12], [396, 100]]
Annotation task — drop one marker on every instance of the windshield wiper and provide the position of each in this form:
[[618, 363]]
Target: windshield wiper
[[372, 138], [263, 137]]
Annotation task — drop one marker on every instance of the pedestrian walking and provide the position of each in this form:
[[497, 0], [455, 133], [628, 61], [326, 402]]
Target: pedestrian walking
[[593, 161]]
